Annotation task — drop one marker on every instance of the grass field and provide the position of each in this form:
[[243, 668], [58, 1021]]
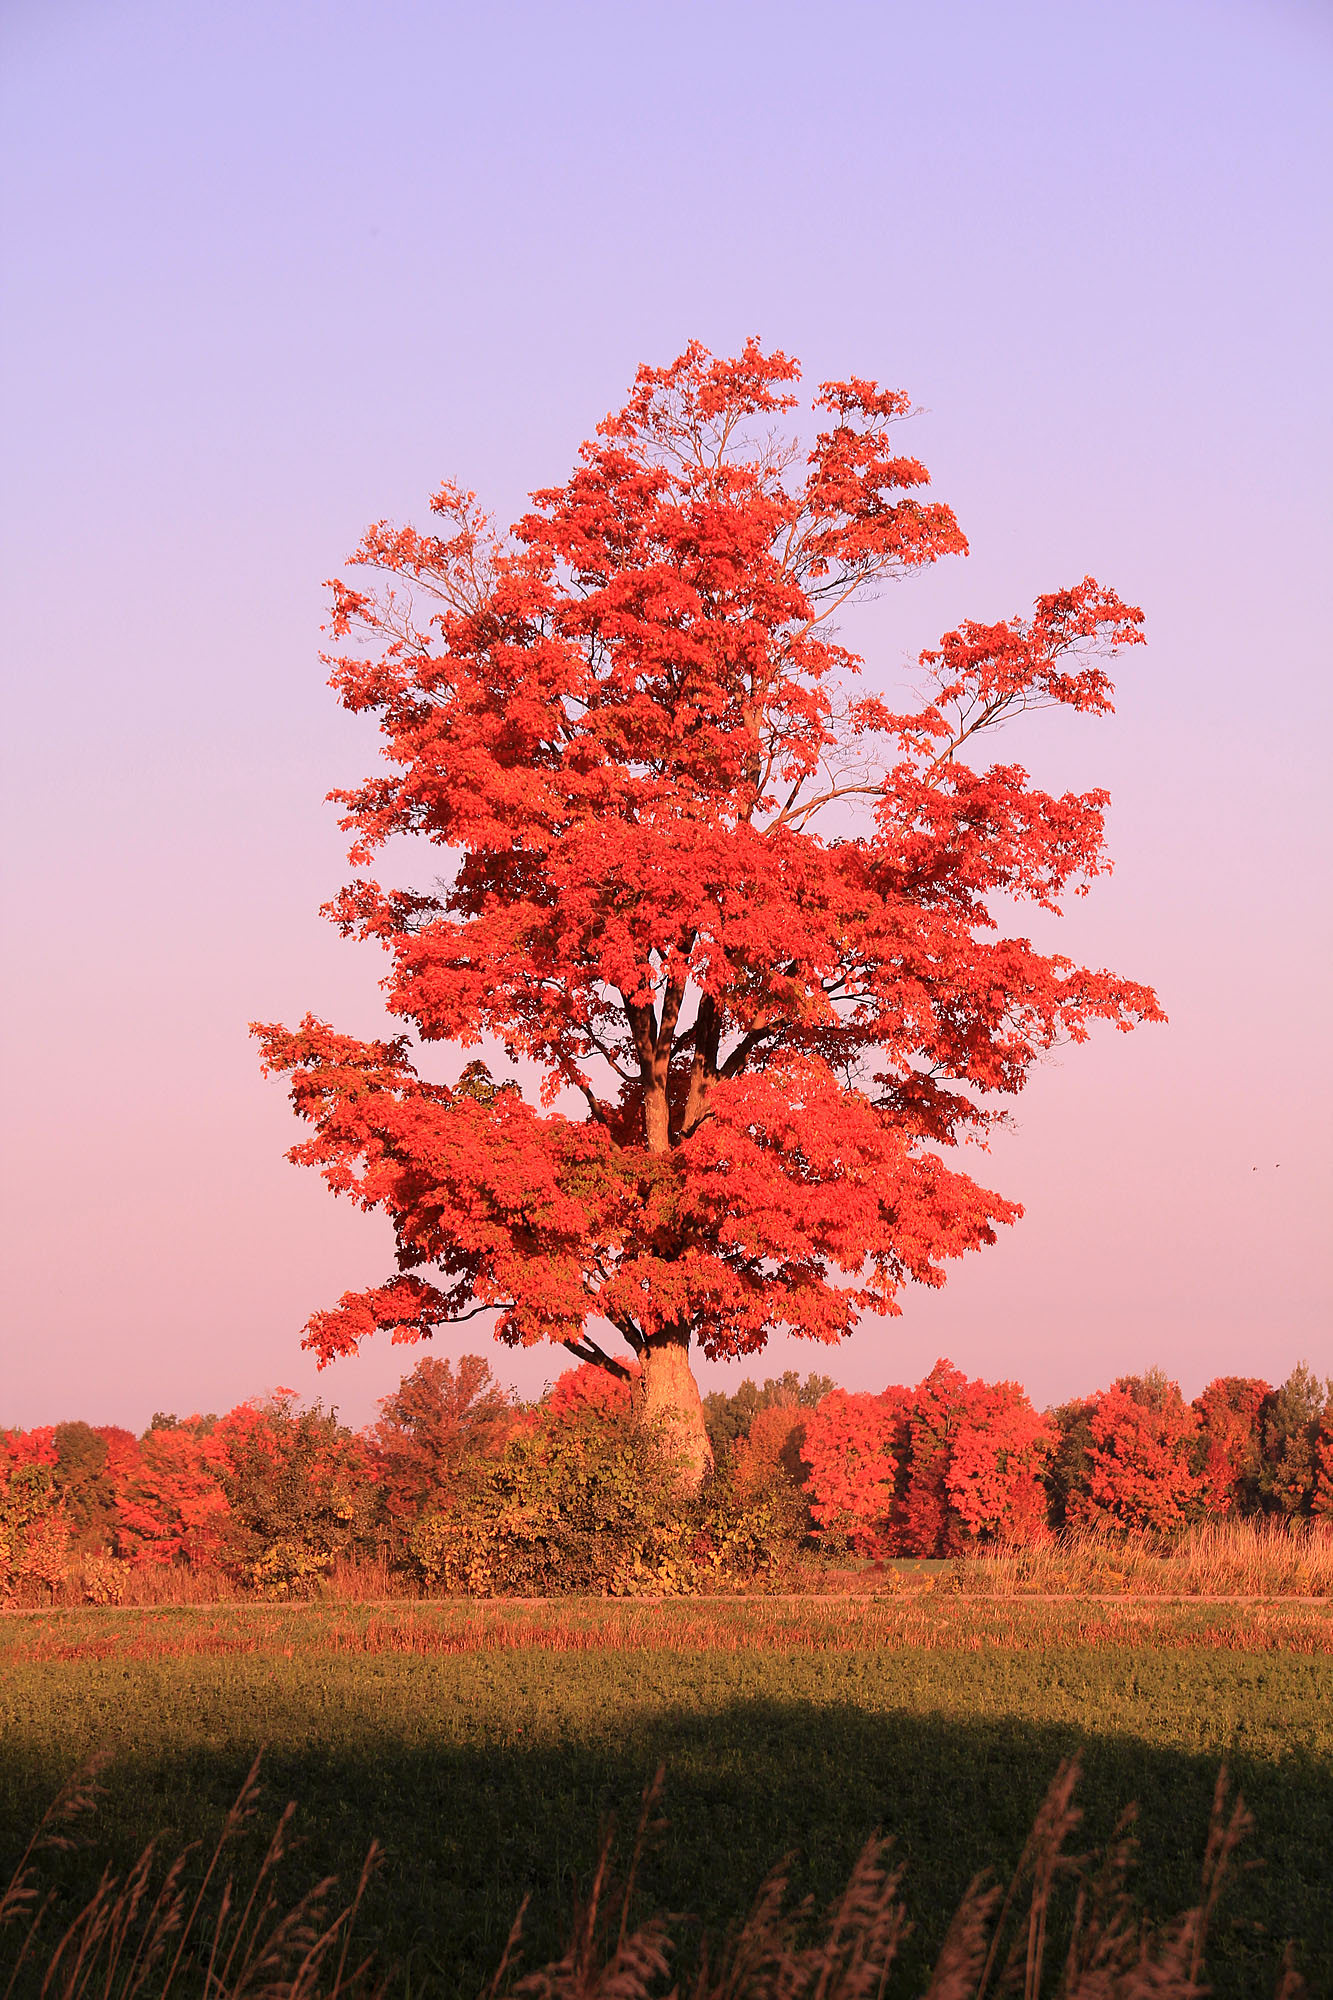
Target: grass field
[[485, 1744]]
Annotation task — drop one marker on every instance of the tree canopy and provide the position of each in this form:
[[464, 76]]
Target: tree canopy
[[741, 918]]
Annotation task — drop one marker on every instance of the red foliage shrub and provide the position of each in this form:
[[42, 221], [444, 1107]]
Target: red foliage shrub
[[589, 1387]]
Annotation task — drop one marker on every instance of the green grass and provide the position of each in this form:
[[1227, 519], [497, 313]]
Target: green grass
[[487, 1772]]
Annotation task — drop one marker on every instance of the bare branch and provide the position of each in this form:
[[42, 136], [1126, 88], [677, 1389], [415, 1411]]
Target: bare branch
[[459, 1319], [803, 812]]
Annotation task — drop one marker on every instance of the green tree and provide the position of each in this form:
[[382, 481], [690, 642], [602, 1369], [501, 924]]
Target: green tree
[[729, 1417], [1289, 1427]]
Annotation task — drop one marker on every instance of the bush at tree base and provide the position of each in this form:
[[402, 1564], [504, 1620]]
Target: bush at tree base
[[589, 1504]]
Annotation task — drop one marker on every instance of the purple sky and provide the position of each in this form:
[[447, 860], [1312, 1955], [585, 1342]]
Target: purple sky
[[273, 270]]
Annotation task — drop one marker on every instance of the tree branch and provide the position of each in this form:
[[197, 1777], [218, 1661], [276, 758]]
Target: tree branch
[[786, 818], [736, 1061], [586, 1349]]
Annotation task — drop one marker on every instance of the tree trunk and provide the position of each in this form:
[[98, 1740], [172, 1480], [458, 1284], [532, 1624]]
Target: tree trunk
[[671, 1395]]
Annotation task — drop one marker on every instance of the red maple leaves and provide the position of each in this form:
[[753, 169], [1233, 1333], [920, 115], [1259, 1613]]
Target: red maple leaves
[[756, 1020], [928, 1471]]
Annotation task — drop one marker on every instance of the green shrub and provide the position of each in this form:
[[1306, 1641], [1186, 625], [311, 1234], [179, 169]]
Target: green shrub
[[588, 1505], [299, 1495], [581, 1505]]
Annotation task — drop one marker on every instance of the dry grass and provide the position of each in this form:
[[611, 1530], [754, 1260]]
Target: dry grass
[[1264, 1558], [106, 1582], [159, 1931]]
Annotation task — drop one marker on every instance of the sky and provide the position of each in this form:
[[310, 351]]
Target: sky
[[272, 271]]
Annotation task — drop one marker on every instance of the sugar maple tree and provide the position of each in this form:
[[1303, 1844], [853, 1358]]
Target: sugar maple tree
[[738, 919]]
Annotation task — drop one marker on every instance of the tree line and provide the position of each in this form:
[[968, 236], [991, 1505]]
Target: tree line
[[461, 1487]]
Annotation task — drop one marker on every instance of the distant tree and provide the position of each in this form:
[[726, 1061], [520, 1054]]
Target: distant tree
[[1140, 1470], [849, 1447], [730, 1417], [759, 1020], [299, 1490], [1070, 1462], [997, 1458], [88, 1461], [1230, 1415], [932, 1414], [1291, 1421], [770, 1452], [170, 1502], [437, 1419], [80, 1473]]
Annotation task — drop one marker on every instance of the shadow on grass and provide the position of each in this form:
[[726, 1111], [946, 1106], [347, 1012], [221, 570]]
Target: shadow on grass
[[471, 1828]]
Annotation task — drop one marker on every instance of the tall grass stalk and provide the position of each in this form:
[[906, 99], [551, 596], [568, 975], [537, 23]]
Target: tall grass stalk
[[999, 1942], [131, 1941], [215, 1941]]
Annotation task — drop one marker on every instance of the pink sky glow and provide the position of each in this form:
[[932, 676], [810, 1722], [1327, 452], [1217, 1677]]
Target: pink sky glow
[[273, 270]]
